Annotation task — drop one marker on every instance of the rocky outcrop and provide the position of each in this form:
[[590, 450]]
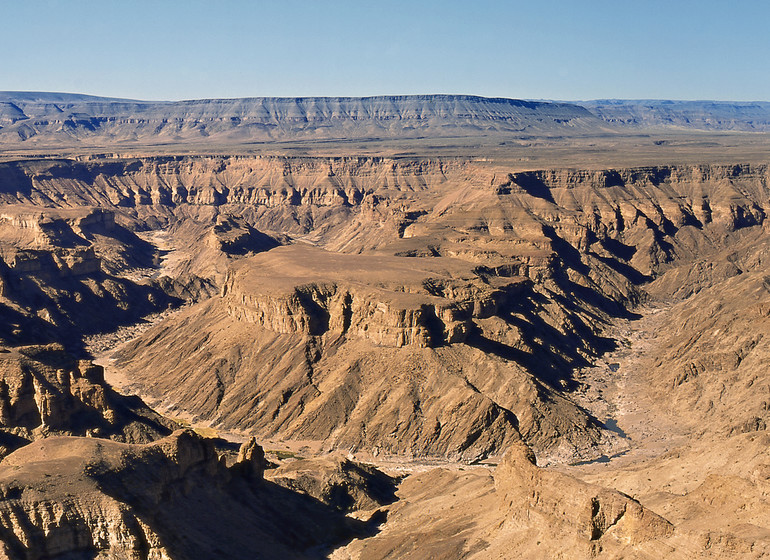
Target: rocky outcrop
[[340, 483], [518, 511], [82, 497], [250, 461], [591, 517], [51, 243], [45, 392], [65, 266], [385, 300]]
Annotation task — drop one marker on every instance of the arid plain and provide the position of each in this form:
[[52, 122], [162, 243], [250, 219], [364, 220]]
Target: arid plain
[[389, 327]]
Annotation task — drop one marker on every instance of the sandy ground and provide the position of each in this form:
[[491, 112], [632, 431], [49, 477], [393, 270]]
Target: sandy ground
[[615, 393]]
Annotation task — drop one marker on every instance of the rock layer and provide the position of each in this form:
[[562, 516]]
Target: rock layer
[[388, 301]]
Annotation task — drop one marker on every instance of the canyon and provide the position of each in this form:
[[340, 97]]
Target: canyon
[[229, 332]]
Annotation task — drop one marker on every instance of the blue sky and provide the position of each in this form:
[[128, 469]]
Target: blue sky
[[540, 49]]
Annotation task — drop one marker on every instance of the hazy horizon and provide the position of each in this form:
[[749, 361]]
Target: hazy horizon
[[424, 94]]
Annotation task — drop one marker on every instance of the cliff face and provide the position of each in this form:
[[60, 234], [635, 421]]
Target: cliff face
[[382, 299], [84, 497], [298, 196], [52, 244], [261, 181], [44, 392], [368, 352], [64, 266], [699, 115], [456, 208]]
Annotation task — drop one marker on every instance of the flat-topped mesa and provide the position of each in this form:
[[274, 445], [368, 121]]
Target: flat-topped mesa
[[33, 118], [390, 301]]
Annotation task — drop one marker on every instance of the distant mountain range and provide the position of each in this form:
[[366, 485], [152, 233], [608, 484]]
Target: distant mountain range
[[44, 117], [41, 118], [697, 115]]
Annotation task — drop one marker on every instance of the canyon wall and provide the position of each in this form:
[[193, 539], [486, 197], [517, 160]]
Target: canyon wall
[[529, 270]]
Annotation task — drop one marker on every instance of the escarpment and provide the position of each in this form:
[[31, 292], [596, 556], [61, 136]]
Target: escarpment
[[379, 298], [633, 221], [704, 115], [173, 498], [487, 296], [32, 118], [336, 200]]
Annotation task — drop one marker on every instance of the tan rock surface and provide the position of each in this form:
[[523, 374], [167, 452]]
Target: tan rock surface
[[517, 511], [44, 391], [86, 497], [341, 483], [368, 352]]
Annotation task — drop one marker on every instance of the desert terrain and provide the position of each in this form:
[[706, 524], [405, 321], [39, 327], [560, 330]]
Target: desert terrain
[[389, 327]]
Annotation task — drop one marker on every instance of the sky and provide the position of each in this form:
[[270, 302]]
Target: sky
[[539, 49]]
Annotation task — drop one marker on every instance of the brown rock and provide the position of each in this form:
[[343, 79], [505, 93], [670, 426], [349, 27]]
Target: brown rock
[[250, 461]]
